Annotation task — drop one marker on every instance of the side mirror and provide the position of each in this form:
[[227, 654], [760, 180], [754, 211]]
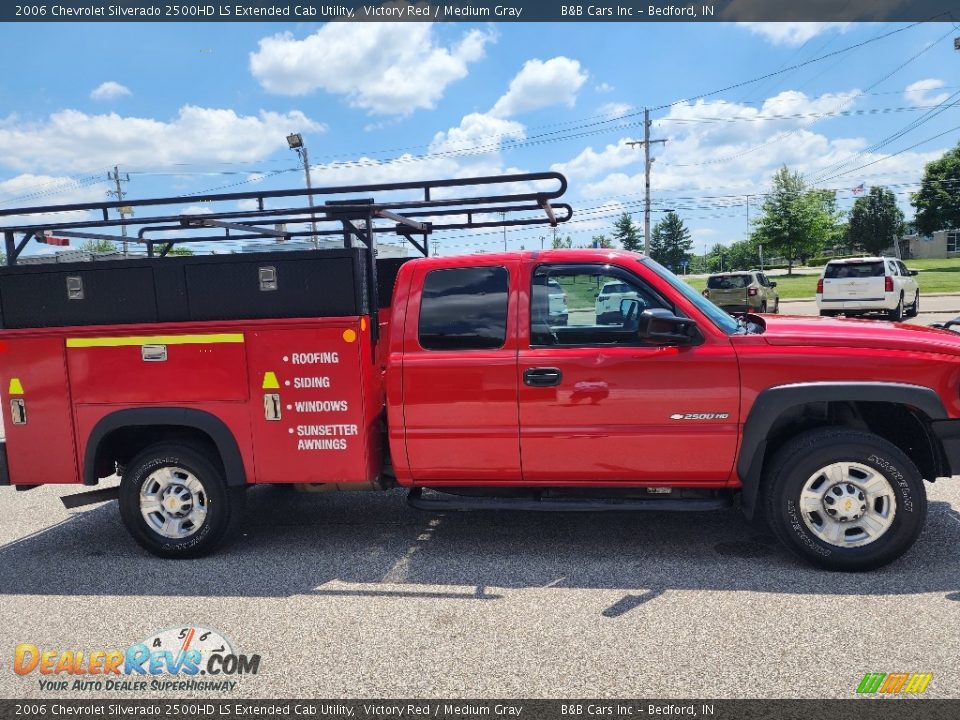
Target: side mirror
[[773, 283], [914, 272], [662, 326], [629, 308]]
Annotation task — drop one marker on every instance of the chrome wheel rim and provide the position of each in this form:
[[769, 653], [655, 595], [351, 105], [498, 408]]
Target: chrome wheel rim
[[848, 504], [173, 502]]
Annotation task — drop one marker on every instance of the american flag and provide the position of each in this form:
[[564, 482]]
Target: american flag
[[858, 189]]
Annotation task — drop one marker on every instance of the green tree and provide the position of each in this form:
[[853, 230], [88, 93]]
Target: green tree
[[601, 241], [562, 243], [627, 233], [876, 222], [795, 223], [670, 242], [180, 250], [938, 201], [742, 255], [98, 246]]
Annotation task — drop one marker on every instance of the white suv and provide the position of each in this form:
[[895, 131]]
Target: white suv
[[856, 286], [608, 302]]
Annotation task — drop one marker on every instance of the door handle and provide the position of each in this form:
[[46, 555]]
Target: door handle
[[542, 377]]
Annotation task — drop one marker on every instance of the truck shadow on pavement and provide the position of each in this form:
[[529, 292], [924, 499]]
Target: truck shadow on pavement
[[372, 544]]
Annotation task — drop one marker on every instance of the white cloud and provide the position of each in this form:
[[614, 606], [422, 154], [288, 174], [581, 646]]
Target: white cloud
[[30, 190], [590, 163], [109, 90], [603, 88], [717, 163], [196, 210], [614, 110], [792, 33], [541, 84], [918, 93], [386, 68], [477, 132], [73, 141]]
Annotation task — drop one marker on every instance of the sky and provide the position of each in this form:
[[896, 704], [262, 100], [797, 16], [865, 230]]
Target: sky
[[186, 108]]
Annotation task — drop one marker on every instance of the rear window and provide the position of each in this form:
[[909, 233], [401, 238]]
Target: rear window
[[728, 282], [464, 309], [839, 271], [614, 288]]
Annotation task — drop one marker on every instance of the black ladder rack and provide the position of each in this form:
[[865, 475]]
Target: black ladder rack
[[408, 209]]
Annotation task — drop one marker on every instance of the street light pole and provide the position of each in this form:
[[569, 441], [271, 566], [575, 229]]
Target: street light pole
[[295, 141]]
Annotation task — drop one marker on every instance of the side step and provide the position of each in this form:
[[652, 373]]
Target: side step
[[91, 497], [559, 504]]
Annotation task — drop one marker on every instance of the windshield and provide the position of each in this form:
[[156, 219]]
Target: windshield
[[719, 318]]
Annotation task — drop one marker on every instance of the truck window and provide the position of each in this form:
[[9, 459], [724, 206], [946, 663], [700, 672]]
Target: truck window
[[591, 312], [464, 309]]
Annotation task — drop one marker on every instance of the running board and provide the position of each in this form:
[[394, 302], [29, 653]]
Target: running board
[[91, 497], [554, 504]]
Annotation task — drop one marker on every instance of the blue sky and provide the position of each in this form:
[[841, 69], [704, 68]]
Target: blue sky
[[189, 107]]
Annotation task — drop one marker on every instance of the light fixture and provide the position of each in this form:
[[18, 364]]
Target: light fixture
[[295, 141]]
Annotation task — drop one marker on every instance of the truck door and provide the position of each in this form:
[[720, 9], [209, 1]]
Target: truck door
[[599, 405], [460, 374]]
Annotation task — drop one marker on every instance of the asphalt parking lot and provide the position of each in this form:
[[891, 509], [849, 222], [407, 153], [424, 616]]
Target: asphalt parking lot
[[356, 595]]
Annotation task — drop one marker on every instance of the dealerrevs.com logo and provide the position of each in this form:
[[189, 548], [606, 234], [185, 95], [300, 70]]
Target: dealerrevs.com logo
[[894, 683], [177, 659]]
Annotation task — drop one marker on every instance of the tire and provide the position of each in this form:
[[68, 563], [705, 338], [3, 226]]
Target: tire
[[776, 307], [897, 313], [915, 308], [763, 307], [827, 313], [203, 510], [879, 487]]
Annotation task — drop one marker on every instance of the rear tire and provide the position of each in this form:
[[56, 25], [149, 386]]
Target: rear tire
[[897, 313], [915, 308], [763, 307], [844, 499], [827, 313], [175, 502]]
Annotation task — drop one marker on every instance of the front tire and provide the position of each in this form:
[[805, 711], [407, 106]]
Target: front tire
[[175, 502], [845, 499]]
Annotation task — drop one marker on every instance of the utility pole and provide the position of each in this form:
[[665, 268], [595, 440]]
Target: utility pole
[[120, 194], [647, 163], [436, 248], [503, 217]]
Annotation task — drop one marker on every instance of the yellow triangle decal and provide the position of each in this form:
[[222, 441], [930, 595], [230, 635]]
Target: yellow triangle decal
[[15, 387], [270, 381]]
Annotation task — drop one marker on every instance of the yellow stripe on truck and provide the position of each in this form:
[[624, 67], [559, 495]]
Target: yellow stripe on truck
[[121, 341]]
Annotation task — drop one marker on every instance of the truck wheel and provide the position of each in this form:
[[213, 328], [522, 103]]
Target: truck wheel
[[915, 308], [845, 499], [175, 502], [897, 313]]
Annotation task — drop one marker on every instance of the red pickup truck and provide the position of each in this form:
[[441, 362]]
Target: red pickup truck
[[193, 378]]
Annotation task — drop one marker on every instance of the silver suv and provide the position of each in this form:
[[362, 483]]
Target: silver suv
[[749, 291]]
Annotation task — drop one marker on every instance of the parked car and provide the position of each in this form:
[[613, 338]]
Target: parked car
[[743, 292], [557, 303], [856, 286], [608, 302]]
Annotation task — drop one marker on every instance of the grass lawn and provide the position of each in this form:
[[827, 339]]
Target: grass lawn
[[936, 276]]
